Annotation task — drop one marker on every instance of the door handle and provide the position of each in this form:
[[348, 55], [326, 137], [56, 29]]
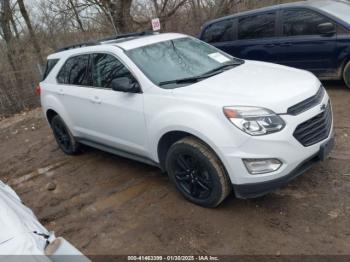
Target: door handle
[[270, 45], [96, 100], [285, 44], [61, 92]]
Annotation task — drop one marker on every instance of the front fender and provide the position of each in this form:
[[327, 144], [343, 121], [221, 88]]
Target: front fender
[[212, 128]]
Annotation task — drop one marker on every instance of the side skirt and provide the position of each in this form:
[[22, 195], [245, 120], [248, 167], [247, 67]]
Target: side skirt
[[118, 152]]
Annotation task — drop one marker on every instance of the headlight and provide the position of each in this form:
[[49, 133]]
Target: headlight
[[254, 121]]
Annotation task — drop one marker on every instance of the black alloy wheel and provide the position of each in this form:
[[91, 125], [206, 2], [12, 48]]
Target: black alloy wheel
[[192, 176], [197, 172], [63, 137]]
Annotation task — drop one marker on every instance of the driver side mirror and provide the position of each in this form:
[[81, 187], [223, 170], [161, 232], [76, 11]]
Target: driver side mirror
[[326, 29], [125, 84]]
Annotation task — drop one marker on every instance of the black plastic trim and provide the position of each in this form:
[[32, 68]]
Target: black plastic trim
[[254, 190], [116, 151], [308, 103], [315, 129]]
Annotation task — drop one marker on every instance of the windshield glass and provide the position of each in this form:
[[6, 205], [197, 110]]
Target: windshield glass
[[177, 59], [338, 9]]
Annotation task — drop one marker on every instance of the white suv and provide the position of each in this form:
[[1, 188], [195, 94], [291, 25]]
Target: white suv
[[215, 123]]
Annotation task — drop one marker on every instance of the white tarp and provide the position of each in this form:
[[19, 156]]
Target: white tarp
[[17, 226]]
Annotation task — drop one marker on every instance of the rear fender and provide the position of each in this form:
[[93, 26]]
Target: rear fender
[[51, 102]]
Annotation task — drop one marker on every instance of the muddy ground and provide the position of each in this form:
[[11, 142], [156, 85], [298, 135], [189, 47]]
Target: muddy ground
[[105, 204]]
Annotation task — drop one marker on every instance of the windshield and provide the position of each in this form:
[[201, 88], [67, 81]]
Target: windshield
[[177, 59], [338, 9]]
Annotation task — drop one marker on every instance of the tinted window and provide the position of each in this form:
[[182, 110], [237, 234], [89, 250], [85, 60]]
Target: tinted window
[[49, 66], [75, 71], [301, 22], [106, 68], [257, 26], [219, 32]]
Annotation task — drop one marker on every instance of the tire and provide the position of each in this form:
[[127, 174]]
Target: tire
[[64, 138], [346, 74], [197, 172]]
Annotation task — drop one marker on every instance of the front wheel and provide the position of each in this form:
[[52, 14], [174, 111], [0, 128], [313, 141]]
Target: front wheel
[[346, 75], [63, 136], [197, 172]]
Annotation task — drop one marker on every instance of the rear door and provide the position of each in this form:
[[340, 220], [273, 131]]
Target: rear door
[[304, 47], [74, 80], [100, 114]]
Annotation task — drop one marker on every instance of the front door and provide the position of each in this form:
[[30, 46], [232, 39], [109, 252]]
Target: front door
[[256, 37], [116, 118], [304, 46]]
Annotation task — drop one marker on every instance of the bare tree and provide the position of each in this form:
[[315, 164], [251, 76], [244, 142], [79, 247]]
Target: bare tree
[[5, 20], [76, 14], [33, 38], [120, 13], [166, 8], [163, 9], [13, 22]]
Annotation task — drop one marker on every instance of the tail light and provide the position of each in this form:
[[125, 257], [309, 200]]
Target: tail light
[[38, 90]]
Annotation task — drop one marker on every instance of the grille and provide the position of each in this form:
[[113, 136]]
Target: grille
[[307, 104], [315, 129]]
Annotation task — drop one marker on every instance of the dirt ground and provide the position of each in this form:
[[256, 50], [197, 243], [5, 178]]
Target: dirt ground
[[105, 204]]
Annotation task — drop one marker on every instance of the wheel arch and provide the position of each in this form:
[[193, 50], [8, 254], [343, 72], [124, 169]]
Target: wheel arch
[[166, 141], [53, 106], [171, 137], [345, 72], [50, 114]]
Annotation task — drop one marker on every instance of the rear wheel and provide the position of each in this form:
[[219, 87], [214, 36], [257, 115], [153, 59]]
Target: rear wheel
[[197, 172], [63, 136], [346, 75]]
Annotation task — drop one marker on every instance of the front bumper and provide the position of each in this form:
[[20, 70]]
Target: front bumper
[[295, 158], [254, 190]]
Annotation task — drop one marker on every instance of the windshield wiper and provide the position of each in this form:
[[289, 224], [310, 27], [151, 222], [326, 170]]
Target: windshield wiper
[[196, 79], [222, 67], [188, 80]]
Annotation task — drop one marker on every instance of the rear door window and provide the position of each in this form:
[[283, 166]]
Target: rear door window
[[219, 32], [257, 26], [106, 68], [75, 71], [302, 22]]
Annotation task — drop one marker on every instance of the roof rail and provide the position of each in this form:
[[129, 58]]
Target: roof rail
[[111, 38], [76, 46], [145, 33]]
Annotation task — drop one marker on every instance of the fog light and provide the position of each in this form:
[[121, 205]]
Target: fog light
[[262, 166]]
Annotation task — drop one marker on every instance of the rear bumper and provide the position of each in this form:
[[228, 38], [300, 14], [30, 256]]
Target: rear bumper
[[254, 190]]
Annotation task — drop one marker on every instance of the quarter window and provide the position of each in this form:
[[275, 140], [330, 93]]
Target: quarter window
[[106, 68], [49, 66], [257, 26], [75, 71], [219, 32], [302, 22]]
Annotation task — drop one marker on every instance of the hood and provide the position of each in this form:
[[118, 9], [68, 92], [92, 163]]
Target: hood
[[255, 83]]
